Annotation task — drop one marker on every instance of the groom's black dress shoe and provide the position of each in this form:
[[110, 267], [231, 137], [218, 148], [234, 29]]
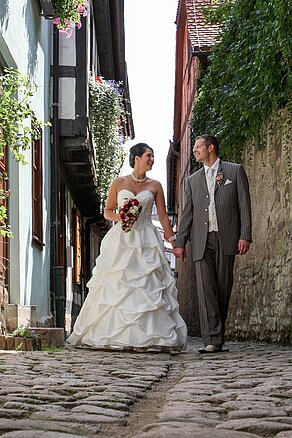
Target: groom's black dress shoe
[[209, 349]]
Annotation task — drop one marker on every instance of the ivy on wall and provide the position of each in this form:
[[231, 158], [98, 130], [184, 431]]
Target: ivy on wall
[[249, 77], [107, 115], [16, 92], [18, 125]]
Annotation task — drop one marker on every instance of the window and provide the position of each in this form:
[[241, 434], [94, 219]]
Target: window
[[37, 193], [77, 242]]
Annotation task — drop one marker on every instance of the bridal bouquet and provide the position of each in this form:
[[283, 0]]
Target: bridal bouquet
[[129, 212]]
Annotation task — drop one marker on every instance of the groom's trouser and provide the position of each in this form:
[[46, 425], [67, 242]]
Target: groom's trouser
[[214, 275]]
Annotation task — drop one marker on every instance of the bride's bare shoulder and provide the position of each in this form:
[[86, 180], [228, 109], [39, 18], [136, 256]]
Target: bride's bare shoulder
[[155, 186], [155, 183]]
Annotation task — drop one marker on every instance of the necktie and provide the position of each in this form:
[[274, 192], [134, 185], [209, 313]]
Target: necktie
[[210, 174], [210, 178]]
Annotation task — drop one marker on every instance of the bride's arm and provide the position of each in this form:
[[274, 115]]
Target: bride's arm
[[162, 214], [111, 203]]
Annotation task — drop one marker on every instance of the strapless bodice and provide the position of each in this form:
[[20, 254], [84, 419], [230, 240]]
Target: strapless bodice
[[146, 199]]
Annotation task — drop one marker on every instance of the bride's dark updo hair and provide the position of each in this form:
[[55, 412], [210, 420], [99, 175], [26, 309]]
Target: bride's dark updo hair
[[137, 151]]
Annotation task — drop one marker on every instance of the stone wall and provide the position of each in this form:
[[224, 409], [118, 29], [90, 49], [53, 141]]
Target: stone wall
[[261, 302]]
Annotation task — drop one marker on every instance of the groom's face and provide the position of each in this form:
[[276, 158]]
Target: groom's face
[[201, 150]]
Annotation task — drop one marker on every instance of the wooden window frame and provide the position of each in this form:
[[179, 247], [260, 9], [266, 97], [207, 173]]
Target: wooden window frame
[[37, 193], [77, 246]]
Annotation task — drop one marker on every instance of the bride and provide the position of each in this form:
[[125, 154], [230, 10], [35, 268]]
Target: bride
[[132, 300]]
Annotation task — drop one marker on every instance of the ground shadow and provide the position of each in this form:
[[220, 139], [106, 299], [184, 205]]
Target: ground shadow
[[33, 27]]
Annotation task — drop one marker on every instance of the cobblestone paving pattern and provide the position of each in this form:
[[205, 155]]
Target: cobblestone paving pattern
[[244, 393]]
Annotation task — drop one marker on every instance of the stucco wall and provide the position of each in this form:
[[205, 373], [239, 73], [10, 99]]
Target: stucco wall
[[25, 43], [261, 302]]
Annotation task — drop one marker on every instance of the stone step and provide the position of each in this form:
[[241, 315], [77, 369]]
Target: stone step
[[45, 337], [50, 337], [18, 343]]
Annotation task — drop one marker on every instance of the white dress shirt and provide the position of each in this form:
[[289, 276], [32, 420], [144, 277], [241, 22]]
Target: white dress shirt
[[211, 173]]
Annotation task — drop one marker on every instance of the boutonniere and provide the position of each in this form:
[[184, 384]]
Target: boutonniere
[[219, 178]]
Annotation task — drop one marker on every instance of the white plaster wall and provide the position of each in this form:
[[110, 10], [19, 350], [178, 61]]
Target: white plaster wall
[[67, 85], [67, 98], [67, 50], [25, 43]]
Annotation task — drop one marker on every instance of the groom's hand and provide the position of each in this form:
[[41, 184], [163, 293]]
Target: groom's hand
[[243, 246], [179, 253]]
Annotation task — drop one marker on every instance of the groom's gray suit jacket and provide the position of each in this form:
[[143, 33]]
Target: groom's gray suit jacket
[[233, 210]]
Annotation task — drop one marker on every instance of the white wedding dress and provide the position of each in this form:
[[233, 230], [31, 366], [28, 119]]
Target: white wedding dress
[[132, 299]]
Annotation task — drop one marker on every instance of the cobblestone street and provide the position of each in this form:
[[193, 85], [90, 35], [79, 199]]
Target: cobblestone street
[[243, 393]]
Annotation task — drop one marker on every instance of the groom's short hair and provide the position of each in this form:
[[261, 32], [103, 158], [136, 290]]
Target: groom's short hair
[[210, 139]]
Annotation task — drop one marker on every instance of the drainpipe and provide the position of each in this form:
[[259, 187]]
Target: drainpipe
[[57, 273]]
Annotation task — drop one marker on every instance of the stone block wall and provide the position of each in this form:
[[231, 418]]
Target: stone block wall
[[261, 302], [15, 316]]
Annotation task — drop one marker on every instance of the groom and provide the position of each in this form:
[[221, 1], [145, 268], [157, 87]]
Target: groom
[[217, 220]]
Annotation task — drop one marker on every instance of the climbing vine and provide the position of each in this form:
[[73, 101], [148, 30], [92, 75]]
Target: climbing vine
[[18, 125], [249, 78], [16, 92], [107, 116]]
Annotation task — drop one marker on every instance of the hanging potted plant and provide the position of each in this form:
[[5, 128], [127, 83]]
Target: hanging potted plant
[[69, 14]]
